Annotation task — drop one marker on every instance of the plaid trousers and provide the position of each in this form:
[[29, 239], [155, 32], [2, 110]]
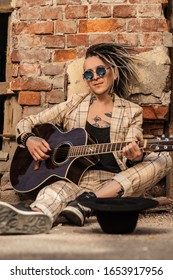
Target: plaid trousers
[[136, 180]]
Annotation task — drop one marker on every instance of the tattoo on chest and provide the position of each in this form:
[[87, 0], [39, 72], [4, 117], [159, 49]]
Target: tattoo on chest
[[109, 115], [100, 122]]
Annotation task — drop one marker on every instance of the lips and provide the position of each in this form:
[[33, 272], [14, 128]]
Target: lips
[[97, 84]]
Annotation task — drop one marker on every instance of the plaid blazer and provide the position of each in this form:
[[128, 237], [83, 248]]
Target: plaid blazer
[[126, 120]]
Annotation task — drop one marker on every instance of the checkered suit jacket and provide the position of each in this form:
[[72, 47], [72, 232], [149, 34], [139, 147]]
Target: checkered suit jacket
[[126, 120]]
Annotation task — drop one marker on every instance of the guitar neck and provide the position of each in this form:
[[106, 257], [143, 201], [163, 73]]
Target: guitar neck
[[96, 149], [154, 145]]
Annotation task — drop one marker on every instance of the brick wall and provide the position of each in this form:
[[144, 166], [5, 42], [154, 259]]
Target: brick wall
[[48, 34]]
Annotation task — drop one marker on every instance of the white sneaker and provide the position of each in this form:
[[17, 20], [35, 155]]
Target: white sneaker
[[19, 219]]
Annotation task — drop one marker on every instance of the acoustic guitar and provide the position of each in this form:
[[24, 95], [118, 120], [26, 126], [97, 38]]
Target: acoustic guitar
[[72, 153]]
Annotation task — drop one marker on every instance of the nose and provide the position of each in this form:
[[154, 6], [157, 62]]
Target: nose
[[95, 75]]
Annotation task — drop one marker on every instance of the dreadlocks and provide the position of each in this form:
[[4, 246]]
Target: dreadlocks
[[120, 57]]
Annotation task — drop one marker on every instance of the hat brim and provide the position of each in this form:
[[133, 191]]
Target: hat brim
[[118, 215], [123, 204]]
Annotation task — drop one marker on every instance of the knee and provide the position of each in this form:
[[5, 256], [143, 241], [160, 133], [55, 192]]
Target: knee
[[167, 162], [162, 161]]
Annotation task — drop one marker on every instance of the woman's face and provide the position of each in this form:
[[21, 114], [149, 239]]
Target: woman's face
[[99, 84]]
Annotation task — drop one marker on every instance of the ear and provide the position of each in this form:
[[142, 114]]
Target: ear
[[115, 72]]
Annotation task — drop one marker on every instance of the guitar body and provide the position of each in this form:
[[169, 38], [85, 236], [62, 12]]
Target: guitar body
[[24, 175]]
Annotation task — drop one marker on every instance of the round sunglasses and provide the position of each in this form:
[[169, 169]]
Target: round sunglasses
[[100, 71]]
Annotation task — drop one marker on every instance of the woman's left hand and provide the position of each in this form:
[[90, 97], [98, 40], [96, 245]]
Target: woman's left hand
[[132, 151]]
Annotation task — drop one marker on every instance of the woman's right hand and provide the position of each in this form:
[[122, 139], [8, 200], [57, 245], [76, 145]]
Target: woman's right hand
[[38, 148]]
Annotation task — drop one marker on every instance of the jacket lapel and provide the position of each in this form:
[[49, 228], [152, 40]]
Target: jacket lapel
[[116, 123], [117, 118], [83, 111]]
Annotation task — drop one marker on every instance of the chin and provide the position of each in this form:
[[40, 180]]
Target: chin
[[101, 93]]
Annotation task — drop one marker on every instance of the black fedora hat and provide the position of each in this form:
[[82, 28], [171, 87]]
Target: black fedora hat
[[118, 215]]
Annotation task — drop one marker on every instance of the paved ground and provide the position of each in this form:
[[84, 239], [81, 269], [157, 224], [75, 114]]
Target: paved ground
[[152, 239]]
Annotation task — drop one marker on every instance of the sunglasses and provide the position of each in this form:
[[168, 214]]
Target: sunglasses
[[100, 71]]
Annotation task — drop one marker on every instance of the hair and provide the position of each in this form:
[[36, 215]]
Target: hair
[[120, 57]]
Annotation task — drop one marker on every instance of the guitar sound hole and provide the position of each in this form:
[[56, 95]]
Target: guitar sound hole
[[60, 154]]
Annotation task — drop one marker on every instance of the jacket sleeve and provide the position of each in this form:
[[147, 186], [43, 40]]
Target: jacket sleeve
[[53, 115]]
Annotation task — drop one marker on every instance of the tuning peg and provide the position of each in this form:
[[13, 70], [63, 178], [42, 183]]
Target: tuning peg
[[163, 137], [171, 137]]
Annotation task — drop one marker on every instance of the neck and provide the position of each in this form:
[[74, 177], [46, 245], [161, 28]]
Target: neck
[[103, 98]]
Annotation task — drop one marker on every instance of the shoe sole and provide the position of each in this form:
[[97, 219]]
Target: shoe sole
[[73, 215], [15, 221]]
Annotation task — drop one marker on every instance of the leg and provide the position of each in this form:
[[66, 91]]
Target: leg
[[39, 217], [91, 183], [143, 176], [135, 181], [52, 199]]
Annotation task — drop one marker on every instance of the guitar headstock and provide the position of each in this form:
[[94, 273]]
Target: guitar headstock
[[160, 144]]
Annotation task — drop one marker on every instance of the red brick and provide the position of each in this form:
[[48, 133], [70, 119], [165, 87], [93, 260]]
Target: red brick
[[53, 69], [134, 25], [64, 55], [20, 28], [101, 38], [32, 110], [58, 81], [29, 98], [28, 69], [77, 40], [135, 1], [29, 83], [25, 41], [65, 2], [15, 70], [21, 3], [100, 11], [147, 25], [65, 26], [128, 38], [148, 1], [76, 12], [53, 41], [124, 11], [31, 55], [55, 96], [155, 112], [102, 25], [154, 25], [62, 2], [150, 10], [51, 13], [41, 27], [28, 13], [151, 39], [80, 52]]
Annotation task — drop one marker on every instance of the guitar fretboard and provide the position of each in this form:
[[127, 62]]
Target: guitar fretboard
[[154, 145], [96, 149]]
